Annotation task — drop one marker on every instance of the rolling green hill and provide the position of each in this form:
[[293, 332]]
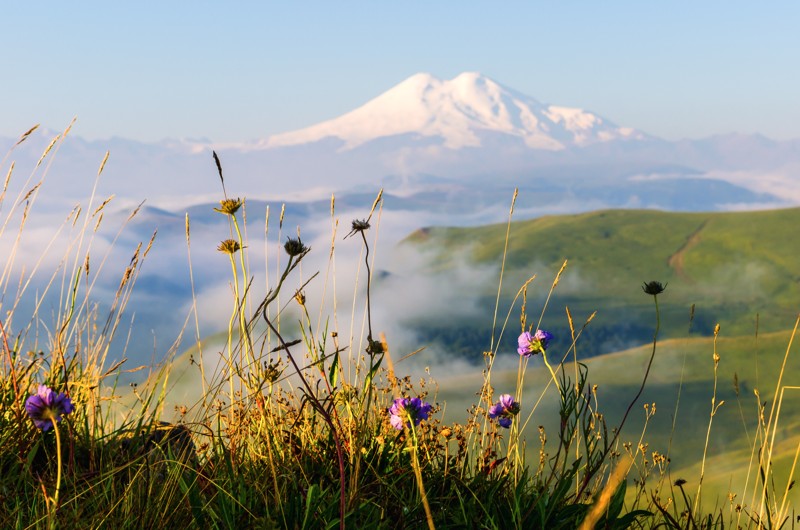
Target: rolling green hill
[[741, 269]]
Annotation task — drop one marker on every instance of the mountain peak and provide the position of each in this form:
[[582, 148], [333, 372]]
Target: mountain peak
[[459, 112]]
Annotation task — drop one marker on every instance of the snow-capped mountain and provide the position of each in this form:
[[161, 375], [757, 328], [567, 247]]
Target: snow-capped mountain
[[467, 133], [459, 112]]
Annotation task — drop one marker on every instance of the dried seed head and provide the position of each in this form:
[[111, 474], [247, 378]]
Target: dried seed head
[[272, 371], [300, 296], [653, 288], [374, 347], [229, 206], [358, 226], [229, 246], [295, 247]]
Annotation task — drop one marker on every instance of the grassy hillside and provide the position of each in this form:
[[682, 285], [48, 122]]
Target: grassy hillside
[[737, 268]]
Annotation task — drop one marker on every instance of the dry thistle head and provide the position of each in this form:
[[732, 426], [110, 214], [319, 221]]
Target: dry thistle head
[[653, 288], [229, 246], [358, 226], [295, 247], [229, 206]]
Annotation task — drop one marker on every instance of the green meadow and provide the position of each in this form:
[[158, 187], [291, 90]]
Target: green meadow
[[739, 269]]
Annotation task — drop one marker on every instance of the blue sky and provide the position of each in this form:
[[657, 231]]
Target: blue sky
[[244, 70]]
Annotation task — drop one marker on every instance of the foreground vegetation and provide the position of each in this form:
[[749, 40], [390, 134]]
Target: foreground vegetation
[[309, 427]]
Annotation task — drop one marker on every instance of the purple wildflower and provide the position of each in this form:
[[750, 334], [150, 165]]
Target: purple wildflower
[[406, 410], [504, 410], [45, 405], [536, 343]]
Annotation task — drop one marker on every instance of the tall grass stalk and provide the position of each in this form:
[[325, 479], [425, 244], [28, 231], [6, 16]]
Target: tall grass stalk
[[714, 408], [767, 433]]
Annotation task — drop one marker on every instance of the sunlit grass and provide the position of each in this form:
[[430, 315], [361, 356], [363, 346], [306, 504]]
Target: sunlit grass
[[284, 419]]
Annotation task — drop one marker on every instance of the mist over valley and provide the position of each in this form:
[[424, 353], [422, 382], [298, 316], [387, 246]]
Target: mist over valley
[[445, 153]]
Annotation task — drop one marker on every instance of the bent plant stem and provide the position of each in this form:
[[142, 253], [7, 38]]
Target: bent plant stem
[[646, 373], [369, 277], [552, 373], [376, 351], [314, 400], [374, 359], [610, 445]]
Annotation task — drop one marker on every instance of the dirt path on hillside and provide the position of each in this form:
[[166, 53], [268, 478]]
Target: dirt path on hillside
[[675, 261]]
